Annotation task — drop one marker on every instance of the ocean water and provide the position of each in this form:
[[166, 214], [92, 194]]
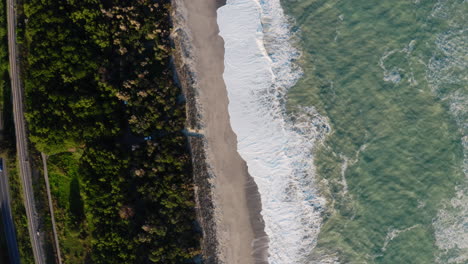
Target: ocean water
[[392, 78], [352, 117]]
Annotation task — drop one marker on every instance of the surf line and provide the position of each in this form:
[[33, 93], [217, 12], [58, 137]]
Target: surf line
[[259, 69]]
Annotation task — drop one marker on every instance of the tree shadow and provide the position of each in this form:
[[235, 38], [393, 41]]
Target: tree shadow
[[76, 202]]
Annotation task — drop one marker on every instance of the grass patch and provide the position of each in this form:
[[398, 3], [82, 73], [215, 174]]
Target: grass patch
[[75, 241]]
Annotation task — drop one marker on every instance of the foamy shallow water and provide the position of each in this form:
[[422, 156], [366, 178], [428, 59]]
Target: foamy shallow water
[[278, 153]]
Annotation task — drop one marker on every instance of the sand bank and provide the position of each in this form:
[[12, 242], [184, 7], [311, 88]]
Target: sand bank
[[228, 201]]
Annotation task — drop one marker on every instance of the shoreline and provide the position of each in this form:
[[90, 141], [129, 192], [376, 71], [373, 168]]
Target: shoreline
[[227, 197]]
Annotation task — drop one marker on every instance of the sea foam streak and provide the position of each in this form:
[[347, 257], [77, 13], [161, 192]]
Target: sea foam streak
[[277, 151]]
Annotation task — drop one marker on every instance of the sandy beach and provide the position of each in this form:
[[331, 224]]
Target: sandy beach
[[229, 202]]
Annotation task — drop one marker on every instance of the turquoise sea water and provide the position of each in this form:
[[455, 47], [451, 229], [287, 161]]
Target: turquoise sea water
[[391, 76]]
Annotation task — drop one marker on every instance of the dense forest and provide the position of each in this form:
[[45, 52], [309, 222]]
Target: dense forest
[[4, 75], [102, 103]]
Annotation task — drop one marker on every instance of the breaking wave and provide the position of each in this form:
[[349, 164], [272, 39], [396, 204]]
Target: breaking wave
[[447, 76], [259, 69]]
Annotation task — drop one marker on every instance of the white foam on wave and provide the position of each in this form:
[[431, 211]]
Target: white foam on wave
[[448, 67], [259, 69]]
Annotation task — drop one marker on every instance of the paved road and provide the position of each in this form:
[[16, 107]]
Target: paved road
[[5, 209], [21, 141]]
